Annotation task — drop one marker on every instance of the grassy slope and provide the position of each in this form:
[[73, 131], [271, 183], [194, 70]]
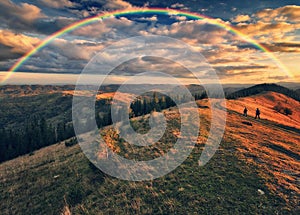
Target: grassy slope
[[266, 102], [56, 176], [272, 143]]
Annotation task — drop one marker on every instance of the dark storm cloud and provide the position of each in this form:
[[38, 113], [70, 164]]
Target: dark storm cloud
[[6, 54]]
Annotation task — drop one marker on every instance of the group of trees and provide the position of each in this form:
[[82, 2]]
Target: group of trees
[[158, 102], [146, 105], [37, 133]]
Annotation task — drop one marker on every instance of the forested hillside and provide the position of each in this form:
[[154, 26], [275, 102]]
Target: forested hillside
[[264, 87], [34, 121]]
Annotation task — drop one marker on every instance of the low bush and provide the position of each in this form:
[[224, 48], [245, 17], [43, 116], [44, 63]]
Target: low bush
[[73, 141]]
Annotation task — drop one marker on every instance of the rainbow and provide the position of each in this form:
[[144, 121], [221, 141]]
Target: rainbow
[[135, 11]]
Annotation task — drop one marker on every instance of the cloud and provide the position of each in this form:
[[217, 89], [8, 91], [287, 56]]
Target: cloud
[[18, 15], [265, 28], [288, 12], [179, 6], [77, 49], [228, 53], [241, 68], [271, 25], [151, 19], [112, 28], [193, 32], [179, 18], [85, 8], [49, 26], [17, 43], [94, 30], [58, 3], [243, 73], [283, 47], [116, 4], [70, 50], [269, 33], [5, 55], [154, 64], [241, 18]]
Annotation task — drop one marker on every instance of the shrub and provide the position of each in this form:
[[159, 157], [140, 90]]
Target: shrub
[[287, 111], [73, 141], [281, 109]]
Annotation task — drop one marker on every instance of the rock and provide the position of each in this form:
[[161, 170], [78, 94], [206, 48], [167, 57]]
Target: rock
[[260, 192], [56, 176]]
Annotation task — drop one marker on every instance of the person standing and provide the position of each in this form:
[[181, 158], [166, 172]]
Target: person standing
[[257, 113], [245, 111]]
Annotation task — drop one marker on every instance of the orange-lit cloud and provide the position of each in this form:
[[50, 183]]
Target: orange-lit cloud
[[289, 13], [58, 3], [275, 28], [241, 18], [272, 30], [23, 12], [19, 43]]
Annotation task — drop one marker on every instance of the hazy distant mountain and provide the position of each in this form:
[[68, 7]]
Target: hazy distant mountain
[[290, 85]]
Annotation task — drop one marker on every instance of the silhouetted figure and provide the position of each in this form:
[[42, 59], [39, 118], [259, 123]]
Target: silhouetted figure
[[257, 114], [245, 111]]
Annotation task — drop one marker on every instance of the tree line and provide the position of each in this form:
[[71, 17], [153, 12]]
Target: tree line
[[264, 87]]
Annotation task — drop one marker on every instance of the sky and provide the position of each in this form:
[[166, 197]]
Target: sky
[[273, 23]]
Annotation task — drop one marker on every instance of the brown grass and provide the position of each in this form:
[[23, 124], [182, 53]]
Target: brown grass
[[275, 151], [266, 102]]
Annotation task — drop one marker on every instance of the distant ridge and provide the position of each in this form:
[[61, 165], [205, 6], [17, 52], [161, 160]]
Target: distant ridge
[[254, 90]]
